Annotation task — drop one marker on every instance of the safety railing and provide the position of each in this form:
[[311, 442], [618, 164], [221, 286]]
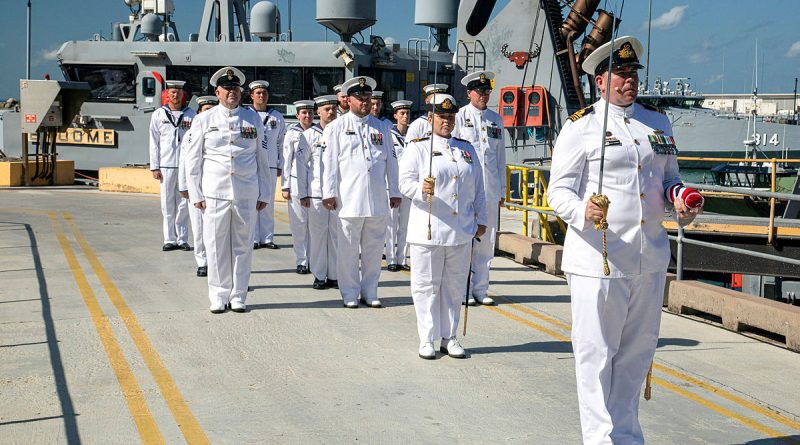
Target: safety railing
[[533, 198]]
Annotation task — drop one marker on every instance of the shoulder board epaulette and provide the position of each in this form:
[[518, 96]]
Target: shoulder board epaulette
[[582, 112], [424, 138], [462, 140], [652, 107]]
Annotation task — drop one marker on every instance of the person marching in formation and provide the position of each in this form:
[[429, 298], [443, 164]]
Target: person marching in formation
[[357, 164], [616, 312], [167, 128], [483, 128], [341, 98], [421, 126], [323, 224], [395, 248], [226, 173], [204, 103], [441, 177], [274, 133], [295, 181], [376, 107]]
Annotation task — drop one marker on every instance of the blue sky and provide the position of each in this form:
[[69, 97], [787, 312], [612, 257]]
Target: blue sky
[[690, 38]]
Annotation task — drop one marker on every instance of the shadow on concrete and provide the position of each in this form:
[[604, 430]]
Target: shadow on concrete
[[774, 440], [687, 342], [559, 347], [527, 283], [56, 363], [532, 299], [275, 271], [333, 302]]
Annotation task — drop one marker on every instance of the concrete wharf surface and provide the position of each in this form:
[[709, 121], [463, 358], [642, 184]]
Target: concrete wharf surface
[[106, 339]]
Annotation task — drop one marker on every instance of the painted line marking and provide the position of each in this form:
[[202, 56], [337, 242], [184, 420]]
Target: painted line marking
[[187, 423], [142, 417]]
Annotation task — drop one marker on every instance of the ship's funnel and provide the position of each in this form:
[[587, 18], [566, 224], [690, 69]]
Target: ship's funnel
[[346, 17], [578, 18]]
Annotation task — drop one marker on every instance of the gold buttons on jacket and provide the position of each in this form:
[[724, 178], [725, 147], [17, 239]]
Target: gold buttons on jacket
[[642, 195], [455, 195], [639, 167], [455, 177], [642, 222]]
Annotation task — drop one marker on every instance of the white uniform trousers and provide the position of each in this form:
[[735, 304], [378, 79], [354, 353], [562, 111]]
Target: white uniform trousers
[[265, 221], [483, 252], [364, 235], [174, 209], [323, 226], [298, 223], [228, 235], [395, 246], [615, 323], [438, 285], [196, 218]]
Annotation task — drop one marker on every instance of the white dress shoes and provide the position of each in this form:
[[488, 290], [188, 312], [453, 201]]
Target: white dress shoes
[[217, 308], [238, 306], [372, 303], [484, 299], [471, 301], [426, 350], [452, 347], [351, 304]]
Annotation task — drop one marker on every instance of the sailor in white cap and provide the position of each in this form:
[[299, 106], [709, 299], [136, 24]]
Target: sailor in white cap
[[204, 103], [225, 170], [483, 128], [167, 128], [395, 248], [323, 224], [295, 181], [440, 236], [615, 312], [376, 107], [357, 164], [274, 132], [341, 97], [421, 126]]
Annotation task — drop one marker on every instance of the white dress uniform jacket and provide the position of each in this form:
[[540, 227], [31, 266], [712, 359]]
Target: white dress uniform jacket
[[459, 202], [274, 133], [484, 130], [419, 128], [358, 165], [295, 180], [635, 180]]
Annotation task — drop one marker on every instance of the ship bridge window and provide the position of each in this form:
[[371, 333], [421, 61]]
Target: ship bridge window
[[320, 81], [107, 83], [391, 82], [196, 78]]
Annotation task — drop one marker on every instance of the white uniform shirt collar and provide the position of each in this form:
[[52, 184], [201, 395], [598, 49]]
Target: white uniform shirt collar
[[614, 110], [475, 109], [360, 120], [229, 112]]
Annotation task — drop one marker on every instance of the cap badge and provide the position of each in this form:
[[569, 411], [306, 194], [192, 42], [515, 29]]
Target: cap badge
[[229, 73], [362, 81], [447, 104], [483, 78], [626, 51]]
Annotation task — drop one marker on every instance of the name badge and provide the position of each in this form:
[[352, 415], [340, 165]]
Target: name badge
[[436, 153], [611, 140], [349, 132], [468, 123]]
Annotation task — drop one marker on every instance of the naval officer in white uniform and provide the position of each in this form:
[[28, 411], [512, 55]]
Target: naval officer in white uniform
[[421, 126], [445, 168], [167, 128], [225, 168], [295, 181], [358, 164], [615, 316], [395, 248], [483, 128], [323, 224], [274, 133], [204, 103]]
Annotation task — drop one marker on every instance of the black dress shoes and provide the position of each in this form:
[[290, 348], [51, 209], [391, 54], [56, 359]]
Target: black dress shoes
[[406, 267], [185, 247], [319, 284], [333, 284], [269, 245], [169, 246], [256, 246], [302, 270], [202, 271], [393, 268]]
